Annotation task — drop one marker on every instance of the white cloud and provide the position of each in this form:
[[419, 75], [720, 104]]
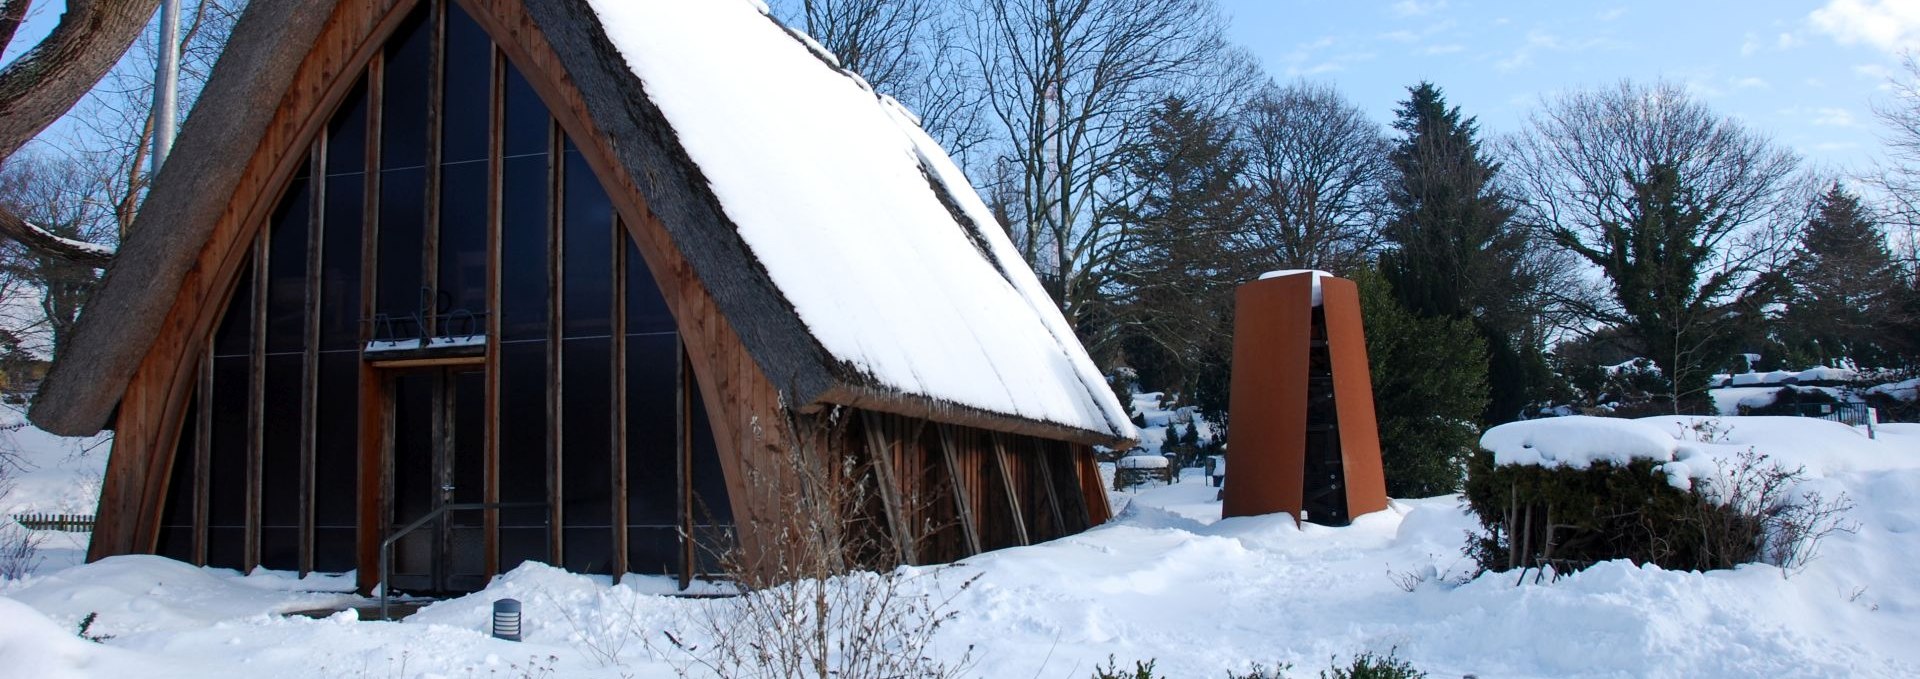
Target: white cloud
[[1400, 36], [1750, 83], [1889, 25], [1750, 45], [1787, 41], [1414, 8], [1611, 14], [1832, 117]]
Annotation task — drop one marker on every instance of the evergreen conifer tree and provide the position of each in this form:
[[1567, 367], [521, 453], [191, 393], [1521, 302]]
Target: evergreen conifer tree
[[1846, 286], [1174, 298], [1429, 383], [1453, 251]]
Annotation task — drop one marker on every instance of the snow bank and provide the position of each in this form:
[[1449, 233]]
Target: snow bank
[[833, 190], [1579, 441], [1142, 462], [1905, 390], [1168, 580], [141, 593]]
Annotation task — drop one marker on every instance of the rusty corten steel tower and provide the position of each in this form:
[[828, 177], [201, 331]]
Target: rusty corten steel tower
[[1303, 438]]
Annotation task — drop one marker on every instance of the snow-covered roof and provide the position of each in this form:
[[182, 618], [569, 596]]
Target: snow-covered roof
[[864, 225]]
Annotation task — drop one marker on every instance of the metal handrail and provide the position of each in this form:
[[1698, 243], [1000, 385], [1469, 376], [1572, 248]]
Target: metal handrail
[[386, 546]]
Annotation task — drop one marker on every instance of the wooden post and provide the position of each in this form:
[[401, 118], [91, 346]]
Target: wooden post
[[371, 509], [880, 451], [556, 282], [1006, 483], [310, 354], [617, 400], [202, 452], [962, 498], [257, 398], [430, 223], [496, 152]]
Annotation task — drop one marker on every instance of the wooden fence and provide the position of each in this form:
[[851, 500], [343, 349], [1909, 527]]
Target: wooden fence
[[70, 523]]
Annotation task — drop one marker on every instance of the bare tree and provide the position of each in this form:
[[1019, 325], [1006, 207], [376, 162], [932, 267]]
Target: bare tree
[[1069, 83], [1316, 163], [1688, 214], [70, 199], [911, 50], [1899, 175], [47, 80]]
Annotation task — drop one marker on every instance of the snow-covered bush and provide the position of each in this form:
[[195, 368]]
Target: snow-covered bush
[[1566, 518]]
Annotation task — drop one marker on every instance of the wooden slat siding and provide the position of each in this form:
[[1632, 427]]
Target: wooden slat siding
[[1043, 463], [202, 453], [257, 400], [962, 490], [146, 426], [883, 456], [556, 283], [1099, 509], [496, 184], [1066, 480], [371, 508], [430, 221], [618, 398], [1008, 483], [310, 357]]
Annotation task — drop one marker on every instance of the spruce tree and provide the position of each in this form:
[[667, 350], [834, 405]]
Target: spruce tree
[[1846, 286], [1174, 293], [1452, 249]]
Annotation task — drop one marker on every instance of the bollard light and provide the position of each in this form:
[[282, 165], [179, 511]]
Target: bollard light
[[506, 619]]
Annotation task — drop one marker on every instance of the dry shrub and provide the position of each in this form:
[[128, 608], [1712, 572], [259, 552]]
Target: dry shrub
[[814, 607]]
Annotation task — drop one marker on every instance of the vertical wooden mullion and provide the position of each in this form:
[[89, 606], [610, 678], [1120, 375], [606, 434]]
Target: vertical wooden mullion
[[310, 356], [683, 457], [430, 224], [202, 453], [962, 498], [618, 398], [556, 182], [1006, 484], [373, 469], [257, 397], [496, 151]]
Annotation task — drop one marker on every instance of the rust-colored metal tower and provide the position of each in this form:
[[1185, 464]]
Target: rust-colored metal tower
[[1303, 439]]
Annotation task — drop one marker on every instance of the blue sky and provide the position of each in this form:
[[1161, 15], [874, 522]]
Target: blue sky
[[1803, 72]]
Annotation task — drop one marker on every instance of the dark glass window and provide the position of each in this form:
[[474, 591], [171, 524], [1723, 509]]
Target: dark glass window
[[468, 84], [527, 118], [345, 211], [463, 244], [347, 133], [523, 251], [587, 429], [646, 309], [287, 272], [588, 286], [523, 452], [280, 464], [336, 462], [403, 140], [227, 478], [402, 213], [176, 518], [653, 510]]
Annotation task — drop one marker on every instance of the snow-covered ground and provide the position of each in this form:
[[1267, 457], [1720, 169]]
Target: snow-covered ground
[[1166, 580]]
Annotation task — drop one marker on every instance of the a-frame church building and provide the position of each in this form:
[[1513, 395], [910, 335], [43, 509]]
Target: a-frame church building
[[569, 281]]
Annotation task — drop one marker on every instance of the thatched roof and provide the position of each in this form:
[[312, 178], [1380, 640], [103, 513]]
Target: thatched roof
[[839, 241]]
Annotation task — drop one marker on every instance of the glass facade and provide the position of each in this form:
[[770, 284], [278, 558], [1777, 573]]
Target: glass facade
[[408, 213]]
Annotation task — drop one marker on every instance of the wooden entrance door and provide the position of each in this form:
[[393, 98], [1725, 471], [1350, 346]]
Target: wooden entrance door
[[439, 417]]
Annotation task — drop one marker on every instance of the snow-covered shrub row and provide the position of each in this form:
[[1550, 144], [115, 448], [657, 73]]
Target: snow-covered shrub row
[[1565, 494]]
